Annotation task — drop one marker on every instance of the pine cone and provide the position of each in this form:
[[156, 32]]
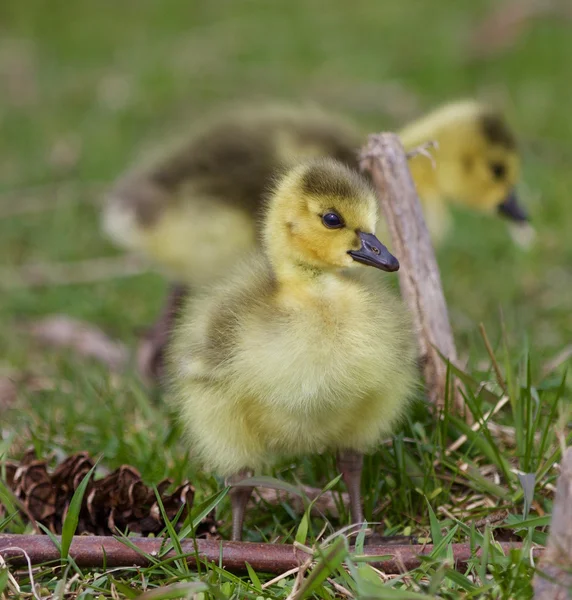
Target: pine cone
[[118, 502]]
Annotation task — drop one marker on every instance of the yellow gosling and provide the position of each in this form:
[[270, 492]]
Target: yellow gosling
[[476, 164], [301, 350]]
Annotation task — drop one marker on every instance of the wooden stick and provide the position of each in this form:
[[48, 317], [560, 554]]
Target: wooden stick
[[419, 278], [96, 551], [553, 579]]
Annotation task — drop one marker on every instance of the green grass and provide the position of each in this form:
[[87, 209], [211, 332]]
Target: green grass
[[87, 86]]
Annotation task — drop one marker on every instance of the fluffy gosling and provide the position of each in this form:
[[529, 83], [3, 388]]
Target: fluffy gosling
[[300, 351], [476, 164]]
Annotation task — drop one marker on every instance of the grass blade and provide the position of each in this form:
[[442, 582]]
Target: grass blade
[[435, 527], [171, 530], [253, 577], [3, 579], [302, 532], [198, 514], [72, 517], [329, 562]]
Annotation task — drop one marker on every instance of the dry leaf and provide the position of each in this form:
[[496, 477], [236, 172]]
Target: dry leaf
[[503, 27], [8, 392], [18, 72], [115, 91], [65, 152], [83, 338]]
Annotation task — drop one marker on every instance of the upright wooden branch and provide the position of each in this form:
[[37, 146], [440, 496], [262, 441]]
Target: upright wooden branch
[[419, 276], [553, 581]]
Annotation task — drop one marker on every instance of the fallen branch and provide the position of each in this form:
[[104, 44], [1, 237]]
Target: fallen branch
[[419, 276], [99, 551], [553, 580]]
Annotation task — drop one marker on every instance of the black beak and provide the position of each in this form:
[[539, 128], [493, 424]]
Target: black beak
[[512, 209], [374, 253]]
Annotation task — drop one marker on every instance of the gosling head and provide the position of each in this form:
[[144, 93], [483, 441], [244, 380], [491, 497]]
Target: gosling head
[[322, 216], [478, 164]]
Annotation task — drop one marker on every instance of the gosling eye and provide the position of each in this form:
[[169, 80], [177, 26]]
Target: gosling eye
[[332, 220], [498, 170]]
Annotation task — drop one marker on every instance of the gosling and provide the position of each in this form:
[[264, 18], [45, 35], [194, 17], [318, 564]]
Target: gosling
[[301, 350]]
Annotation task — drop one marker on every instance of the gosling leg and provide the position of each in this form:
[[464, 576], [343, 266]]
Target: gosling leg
[[151, 351], [239, 497], [350, 465]]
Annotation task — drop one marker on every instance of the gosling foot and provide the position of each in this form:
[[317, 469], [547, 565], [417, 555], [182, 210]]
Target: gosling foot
[[151, 350], [239, 497], [350, 465]]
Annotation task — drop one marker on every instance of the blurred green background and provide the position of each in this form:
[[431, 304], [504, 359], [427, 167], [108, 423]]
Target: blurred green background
[[86, 86]]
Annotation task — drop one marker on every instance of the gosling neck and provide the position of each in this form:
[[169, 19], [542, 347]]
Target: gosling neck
[[296, 273], [296, 278], [300, 286]]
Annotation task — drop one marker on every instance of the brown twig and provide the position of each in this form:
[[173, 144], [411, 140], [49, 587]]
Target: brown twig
[[96, 551], [419, 276], [553, 580]]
